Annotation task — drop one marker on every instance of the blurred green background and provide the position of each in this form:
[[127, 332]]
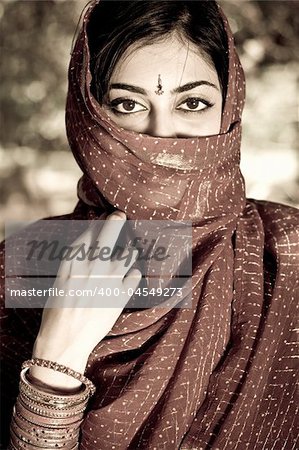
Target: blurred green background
[[38, 172]]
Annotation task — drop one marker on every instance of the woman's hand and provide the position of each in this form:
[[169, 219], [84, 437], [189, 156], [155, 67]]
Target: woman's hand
[[67, 335]]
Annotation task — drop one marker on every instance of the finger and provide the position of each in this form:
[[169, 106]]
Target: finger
[[89, 237], [111, 229], [123, 262], [132, 279], [82, 248], [89, 244]]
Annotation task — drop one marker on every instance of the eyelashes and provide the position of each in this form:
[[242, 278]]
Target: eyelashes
[[127, 106], [194, 104]]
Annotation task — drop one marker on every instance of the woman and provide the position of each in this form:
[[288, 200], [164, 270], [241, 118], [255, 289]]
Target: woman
[[153, 119]]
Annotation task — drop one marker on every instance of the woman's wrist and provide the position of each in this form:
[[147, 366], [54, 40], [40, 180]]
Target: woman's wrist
[[75, 357], [57, 380]]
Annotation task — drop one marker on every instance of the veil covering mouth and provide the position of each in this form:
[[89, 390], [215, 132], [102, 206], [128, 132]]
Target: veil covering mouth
[[196, 181]]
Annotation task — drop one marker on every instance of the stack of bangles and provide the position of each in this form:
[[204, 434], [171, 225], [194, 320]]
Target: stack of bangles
[[44, 420]]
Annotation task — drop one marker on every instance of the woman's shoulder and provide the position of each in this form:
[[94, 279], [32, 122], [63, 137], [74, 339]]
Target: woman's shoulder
[[279, 220], [279, 210], [33, 225], [281, 230], [15, 243]]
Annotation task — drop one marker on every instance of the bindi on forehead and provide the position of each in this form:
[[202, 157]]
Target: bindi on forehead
[[159, 90]]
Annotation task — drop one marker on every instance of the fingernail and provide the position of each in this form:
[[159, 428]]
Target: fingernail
[[117, 216]]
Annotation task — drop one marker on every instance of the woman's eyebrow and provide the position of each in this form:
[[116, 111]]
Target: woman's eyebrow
[[178, 90], [128, 87], [192, 85]]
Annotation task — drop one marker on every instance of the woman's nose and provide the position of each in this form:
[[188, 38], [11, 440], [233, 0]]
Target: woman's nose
[[161, 125]]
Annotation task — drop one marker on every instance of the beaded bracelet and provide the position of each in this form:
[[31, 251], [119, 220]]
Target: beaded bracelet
[[60, 368]]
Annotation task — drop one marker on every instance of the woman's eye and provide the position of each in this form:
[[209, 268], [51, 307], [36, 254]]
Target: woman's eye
[[194, 104], [126, 106]]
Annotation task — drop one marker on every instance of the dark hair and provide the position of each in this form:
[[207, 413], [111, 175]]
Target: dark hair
[[115, 25]]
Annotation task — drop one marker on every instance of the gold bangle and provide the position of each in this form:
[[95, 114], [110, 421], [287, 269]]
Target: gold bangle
[[41, 431], [49, 411], [45, 421], [62, 369], [22, 444], [48, 398], [64, 411], [43, 411], [20, 438], [30, 437]]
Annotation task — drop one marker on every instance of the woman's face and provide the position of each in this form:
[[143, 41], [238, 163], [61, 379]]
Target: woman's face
[[167, 89]]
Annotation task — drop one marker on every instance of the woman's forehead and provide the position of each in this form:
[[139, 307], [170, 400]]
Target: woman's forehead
[[177, 62]]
